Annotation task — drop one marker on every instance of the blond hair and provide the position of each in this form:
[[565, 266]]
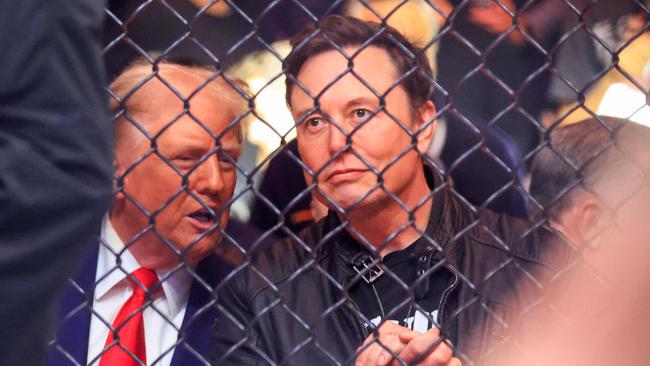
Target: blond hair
[[230, 93]]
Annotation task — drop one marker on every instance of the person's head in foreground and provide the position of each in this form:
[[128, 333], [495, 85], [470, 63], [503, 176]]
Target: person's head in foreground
[[593, 182], [178, 136], [360, 97]]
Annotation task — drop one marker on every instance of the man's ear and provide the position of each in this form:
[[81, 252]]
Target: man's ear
[[426, 125], [120, 169], [592, 220]]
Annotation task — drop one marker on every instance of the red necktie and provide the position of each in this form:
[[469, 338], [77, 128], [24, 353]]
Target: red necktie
[[130, 346]]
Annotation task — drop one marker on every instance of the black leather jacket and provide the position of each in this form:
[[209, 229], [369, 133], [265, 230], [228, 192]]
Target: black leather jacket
[[289, 304]]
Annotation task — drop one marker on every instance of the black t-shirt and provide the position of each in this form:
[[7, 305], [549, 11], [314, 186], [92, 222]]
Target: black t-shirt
[[392, 297]]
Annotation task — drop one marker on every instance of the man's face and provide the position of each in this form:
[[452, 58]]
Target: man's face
[[346, 174], [180, 210]]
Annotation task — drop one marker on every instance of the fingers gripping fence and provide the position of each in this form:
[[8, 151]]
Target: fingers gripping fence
[[449, 172]]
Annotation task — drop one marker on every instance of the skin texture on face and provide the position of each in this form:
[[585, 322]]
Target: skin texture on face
[[347, 105], [153, 177]]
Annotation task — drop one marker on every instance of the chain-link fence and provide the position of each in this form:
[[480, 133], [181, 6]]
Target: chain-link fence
[[431, 182]]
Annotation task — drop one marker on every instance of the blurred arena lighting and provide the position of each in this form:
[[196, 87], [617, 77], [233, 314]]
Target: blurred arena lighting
[[263, 72], [624, 101]]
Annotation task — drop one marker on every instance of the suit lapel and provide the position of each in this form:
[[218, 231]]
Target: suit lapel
[[73, 316], [196, 331]]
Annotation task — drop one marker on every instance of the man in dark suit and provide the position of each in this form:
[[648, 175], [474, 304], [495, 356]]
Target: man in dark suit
[[145, 293], [55, 161]]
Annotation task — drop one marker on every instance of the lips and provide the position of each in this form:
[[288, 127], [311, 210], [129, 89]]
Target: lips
[[203, 219], [340, 175]]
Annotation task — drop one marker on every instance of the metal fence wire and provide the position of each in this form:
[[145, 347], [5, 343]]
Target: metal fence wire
[[430, 182]]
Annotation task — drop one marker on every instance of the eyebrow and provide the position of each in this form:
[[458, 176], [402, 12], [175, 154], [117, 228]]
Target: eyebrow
[[231, 148], [191, 147], [374, 101], [300, 113]]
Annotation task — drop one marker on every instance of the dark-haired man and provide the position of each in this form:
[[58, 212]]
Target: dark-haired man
[[400, 265]]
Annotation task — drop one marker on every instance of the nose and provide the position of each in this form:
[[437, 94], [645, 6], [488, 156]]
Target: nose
[[209, 178], [337, 138]]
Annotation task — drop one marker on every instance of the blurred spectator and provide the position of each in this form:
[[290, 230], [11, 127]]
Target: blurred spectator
[[55, 168], [283, 196], [585, 48], [178, 30], [593, 181], [201, 31], [281, 20], [484, 164], [632, 72], [482, 54]]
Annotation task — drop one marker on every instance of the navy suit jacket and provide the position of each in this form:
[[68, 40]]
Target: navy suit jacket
[[70, 344]]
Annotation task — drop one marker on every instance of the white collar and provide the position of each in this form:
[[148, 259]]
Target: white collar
[[175, 288]]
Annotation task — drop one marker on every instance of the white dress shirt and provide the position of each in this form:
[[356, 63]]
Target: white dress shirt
[[112, 289]]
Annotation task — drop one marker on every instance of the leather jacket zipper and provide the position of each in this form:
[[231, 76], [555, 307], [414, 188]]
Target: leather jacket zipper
[[355, 310], [445, 295]]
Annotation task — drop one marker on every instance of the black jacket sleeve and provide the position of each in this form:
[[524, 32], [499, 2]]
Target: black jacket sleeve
[[55, 161], [235, 334]]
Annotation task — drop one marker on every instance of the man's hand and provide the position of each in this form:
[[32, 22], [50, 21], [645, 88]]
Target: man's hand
[[389, 336], [427, 349], [396, 345]]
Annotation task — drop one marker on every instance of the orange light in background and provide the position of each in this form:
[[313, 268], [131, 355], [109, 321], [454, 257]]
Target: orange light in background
[[216, 8], [417, 20]]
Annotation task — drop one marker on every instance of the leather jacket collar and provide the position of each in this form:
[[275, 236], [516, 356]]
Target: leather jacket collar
[[430, 248]]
